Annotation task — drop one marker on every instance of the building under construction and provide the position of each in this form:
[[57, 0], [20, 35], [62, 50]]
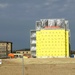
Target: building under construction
[[51, 38]]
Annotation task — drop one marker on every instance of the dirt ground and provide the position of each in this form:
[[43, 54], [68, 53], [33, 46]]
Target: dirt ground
[[50, 66]]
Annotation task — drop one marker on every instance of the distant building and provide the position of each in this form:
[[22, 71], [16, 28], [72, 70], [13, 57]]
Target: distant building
[[5, 48], [25, 52]]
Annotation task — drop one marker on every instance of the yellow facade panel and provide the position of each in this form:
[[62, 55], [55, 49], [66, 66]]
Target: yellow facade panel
[[52, 43], [67, 43]]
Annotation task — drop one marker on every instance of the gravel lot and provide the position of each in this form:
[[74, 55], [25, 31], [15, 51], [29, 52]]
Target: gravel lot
[[40, 66]]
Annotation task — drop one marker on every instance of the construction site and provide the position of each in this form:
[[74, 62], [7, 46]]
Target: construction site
[[50, 51]]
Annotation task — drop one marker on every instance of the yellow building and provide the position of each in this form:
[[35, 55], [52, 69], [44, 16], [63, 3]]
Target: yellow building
[[52, 43], [52, 38]]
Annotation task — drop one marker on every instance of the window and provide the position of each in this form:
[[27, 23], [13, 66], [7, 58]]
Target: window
[[27, 52], [18, 52], [2, 43]]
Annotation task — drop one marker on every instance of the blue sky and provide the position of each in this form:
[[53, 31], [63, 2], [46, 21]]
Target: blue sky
[[17, 18]]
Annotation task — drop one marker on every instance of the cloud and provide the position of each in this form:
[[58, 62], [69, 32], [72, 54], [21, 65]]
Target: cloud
[[69, 4], [3, 5], [64, 8], [47, 3]]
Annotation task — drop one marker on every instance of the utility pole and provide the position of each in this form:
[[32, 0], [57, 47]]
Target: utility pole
[[22, 66]]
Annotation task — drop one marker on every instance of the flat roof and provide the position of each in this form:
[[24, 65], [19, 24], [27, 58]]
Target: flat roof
[[5, 42], [23, 50]]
